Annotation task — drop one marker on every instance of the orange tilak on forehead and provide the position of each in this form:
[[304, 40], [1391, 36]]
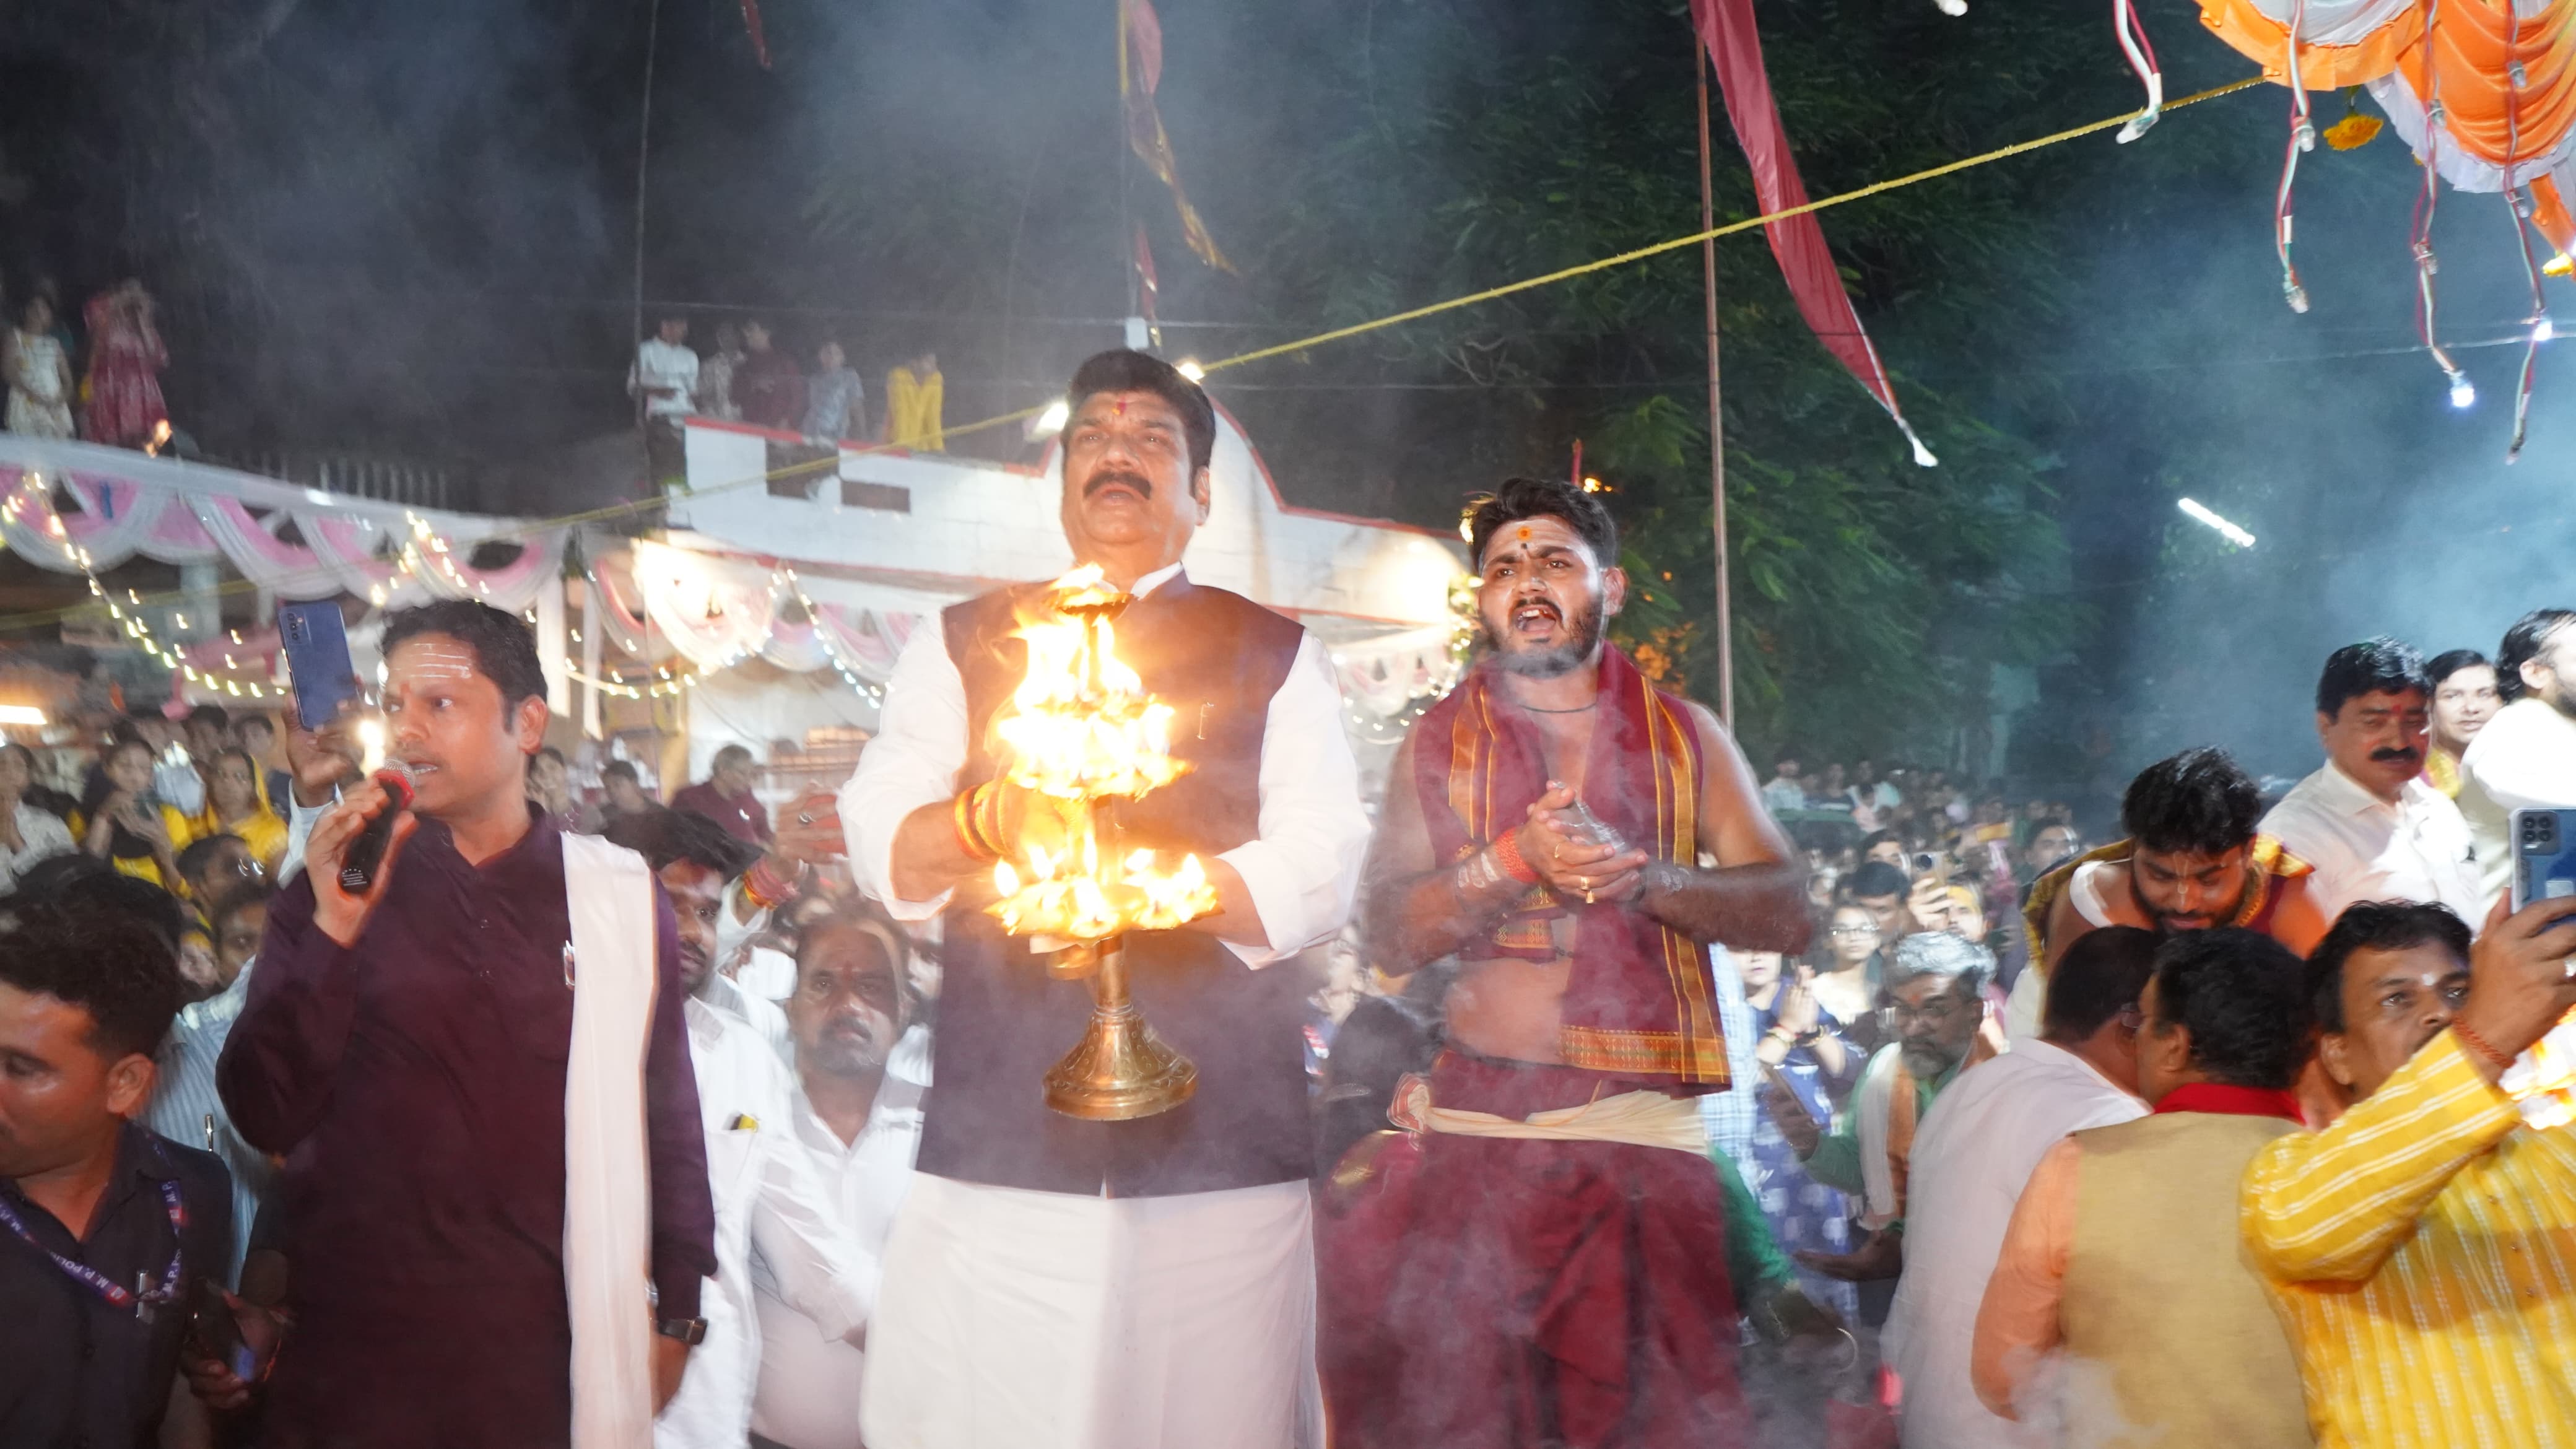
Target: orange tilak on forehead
[[1118, 408], [1525, 533]]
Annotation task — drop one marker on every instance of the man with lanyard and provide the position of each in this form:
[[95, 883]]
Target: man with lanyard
[[105, 1228], [1054, 1282], [2192, 859], [1545, 824], [482, 1185]]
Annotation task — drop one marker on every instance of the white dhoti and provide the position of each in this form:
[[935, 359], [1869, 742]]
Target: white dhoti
[[1011, 1319]]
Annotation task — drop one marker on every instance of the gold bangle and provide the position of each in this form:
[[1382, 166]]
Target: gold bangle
[[961, 818]]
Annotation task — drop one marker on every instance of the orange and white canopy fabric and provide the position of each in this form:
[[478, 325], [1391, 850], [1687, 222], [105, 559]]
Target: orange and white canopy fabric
[[2483, 91]]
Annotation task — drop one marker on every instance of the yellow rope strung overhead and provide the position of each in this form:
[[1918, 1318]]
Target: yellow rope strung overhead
[[1337, 334]]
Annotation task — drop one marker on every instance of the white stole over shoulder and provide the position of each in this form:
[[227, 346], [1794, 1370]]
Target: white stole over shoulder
[[607, 1178]]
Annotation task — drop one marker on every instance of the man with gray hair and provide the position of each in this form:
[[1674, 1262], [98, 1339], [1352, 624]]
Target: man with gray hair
[[1936, 1003]]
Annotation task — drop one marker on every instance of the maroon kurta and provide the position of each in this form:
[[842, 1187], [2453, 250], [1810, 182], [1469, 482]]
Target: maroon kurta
[[1503, 1293], [415, 1082], [742, 816]]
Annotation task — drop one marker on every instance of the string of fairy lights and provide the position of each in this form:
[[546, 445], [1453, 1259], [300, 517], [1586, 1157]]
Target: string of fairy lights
[[427, 557]]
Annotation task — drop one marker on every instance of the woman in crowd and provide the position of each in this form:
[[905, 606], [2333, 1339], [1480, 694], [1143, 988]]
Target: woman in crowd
[[38, 374], [1841, 979], [1802, 1051], [125, 361], [237, 804], [117, 824], [27, 834]]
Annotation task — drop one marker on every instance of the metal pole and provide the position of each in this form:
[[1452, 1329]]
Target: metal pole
[[1126, 210], [643, 158], [1716, 421]]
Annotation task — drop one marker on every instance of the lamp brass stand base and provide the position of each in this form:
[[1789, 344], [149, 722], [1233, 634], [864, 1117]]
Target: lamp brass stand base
[[1120, 1070]]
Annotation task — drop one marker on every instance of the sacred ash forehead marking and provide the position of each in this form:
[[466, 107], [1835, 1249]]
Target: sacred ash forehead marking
[[430, 657]]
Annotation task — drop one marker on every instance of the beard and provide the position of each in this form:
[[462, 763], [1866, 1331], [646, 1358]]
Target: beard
[[2218, 915], [1582, 636], [1929, 1059], [851, 1052]]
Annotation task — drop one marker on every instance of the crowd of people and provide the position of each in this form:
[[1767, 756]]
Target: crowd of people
[[1643, 1103], [749, 378], [102, 383]]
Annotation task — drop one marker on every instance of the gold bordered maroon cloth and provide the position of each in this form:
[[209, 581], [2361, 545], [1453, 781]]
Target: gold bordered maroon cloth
[[1640, 998]]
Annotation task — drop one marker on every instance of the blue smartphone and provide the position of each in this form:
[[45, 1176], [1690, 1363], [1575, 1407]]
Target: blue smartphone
[[317, 660], [2544, 855]]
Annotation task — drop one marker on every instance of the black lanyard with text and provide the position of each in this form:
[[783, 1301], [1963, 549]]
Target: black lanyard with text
[[142, 1297]]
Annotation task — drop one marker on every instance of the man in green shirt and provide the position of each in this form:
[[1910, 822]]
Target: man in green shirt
[[1936, 994]]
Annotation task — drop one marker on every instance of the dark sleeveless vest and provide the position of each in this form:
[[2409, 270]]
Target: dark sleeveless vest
[[1216, 658]]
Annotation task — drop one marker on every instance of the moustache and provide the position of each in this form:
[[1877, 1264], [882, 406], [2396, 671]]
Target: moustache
[[1133, 482], [2396, 753]]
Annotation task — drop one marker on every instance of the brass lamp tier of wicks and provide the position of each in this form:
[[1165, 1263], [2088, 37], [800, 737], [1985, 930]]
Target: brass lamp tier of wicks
[[1081, 730]]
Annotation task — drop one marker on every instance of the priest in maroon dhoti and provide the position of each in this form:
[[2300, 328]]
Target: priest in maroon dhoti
[[1538, 1256]]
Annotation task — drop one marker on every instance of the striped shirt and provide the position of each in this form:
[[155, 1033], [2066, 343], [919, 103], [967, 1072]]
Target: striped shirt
[[2423, 1250], [1728, 1115], [184, 1103]]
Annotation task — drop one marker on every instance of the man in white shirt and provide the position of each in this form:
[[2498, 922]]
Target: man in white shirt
[[1063, 1284], [1975, 1150], [1785, 790], [857, 1117], [767, 1195], [663, 379], [2374, 830], [2526, 755]]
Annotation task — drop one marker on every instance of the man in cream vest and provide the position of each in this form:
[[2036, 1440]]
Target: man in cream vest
[[2123, 1310]]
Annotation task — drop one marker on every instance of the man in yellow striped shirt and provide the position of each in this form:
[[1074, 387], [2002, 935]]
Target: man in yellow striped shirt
[[2423, 1248]]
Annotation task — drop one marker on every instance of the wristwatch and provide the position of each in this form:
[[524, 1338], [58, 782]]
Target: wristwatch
[[686, 1330]]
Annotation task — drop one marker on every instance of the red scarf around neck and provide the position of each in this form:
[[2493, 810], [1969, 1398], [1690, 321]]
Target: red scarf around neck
[[1640, 998]]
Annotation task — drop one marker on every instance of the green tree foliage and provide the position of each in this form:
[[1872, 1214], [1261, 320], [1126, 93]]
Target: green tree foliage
[[1357, 157]]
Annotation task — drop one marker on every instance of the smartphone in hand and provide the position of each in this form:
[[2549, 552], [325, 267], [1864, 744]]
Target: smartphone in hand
[[216, 1331], [316, 642], [2544, 855]]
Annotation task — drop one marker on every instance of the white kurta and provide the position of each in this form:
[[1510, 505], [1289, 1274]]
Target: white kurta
[[767, 1195], [1032, 1320], [808, 1396], [2367, 849], [2525, 757], [1972, 1155], [1040, 1320]]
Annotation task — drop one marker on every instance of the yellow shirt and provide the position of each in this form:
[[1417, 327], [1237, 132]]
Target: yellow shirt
[[912, 411], [261, 830], [2423, 1252]]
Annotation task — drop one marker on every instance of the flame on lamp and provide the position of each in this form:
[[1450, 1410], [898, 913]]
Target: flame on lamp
[[1082, 729]]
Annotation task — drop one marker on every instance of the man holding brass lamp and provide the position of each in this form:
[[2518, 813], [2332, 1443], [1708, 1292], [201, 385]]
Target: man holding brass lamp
[[1054, 1281]]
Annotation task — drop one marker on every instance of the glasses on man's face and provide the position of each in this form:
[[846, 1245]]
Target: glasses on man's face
[[1899, 1015]]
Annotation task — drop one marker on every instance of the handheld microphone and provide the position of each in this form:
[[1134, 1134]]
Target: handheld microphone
[[367, 852]]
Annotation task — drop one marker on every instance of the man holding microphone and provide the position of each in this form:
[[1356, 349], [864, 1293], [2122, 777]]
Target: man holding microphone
[[477, 1181]]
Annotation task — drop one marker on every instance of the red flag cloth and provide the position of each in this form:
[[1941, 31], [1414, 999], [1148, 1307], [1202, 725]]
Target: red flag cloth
[[1514, 1293], [1806, 263], [1140, 69], [759, 41]]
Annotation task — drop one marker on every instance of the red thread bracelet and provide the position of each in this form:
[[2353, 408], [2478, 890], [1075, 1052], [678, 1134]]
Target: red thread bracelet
[[1507, 854], [2479, 1044]]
